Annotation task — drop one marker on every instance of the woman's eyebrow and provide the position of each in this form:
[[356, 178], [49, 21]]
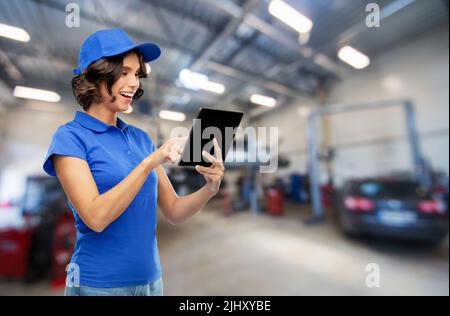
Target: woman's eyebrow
[[129, 68]]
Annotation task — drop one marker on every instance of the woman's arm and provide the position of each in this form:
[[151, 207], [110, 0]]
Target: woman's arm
[[99, 210], [177, 209]]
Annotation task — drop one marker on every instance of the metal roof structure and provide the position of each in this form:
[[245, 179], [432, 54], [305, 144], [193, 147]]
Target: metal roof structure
[[235, 42]]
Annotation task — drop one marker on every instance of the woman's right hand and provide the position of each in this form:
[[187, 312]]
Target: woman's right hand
[[170, 151]]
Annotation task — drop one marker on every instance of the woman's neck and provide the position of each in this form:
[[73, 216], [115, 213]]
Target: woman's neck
[[101, 113]]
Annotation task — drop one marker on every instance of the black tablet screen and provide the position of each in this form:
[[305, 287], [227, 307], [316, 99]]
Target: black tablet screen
[[208, 125]]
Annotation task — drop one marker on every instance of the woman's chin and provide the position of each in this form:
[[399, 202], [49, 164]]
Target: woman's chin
[[122, 107]]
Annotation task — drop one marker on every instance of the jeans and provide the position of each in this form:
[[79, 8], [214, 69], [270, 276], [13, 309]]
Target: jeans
[[152, 289]]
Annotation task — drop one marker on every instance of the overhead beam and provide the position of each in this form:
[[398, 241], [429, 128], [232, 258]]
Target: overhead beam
[[356, 30], [229, 30], [257, 23], [345, 38], [256, 79], [140, 34], [238, 16], [9, 67], [135, 32]]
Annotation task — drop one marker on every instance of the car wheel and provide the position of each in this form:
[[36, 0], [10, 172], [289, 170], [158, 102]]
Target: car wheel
[[347, 227]]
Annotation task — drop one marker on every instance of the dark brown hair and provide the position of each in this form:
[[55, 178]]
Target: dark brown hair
[[86, 86]]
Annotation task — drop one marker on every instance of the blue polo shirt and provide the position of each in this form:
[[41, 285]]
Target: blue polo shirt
[[125, 253]]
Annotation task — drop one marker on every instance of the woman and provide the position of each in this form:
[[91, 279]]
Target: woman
[[113, 176]]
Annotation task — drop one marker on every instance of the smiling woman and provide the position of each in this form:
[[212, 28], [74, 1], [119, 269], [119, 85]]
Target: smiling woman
[[112, 173]]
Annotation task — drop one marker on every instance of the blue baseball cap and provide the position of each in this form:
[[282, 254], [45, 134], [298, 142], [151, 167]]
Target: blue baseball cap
[[112, 42]]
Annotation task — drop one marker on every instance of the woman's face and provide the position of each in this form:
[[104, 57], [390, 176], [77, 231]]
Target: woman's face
[[126, 86]]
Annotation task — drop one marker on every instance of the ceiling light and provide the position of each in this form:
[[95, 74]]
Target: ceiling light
[[290, 16], [196, 81], [192, 80], [353, 57], [15, 33], [212, 87], [303, 38], [263, 100], [172, 116], [36, 94]]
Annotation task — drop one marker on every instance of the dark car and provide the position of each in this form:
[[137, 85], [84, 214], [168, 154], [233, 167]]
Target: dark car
[[393, 208]]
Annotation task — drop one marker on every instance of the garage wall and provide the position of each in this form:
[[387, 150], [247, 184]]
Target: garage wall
[[291, 122], [373, 142], [417, 70]]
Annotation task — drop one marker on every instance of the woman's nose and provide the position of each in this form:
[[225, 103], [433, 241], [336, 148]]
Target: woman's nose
[[133, 82]]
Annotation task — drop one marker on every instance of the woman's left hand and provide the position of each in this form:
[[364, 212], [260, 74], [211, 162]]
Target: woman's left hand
[[214, 174]]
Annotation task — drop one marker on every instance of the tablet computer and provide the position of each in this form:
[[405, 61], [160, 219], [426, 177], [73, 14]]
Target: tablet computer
[[210, 124]]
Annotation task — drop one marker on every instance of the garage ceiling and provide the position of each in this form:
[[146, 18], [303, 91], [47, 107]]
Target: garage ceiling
[[237, 43]]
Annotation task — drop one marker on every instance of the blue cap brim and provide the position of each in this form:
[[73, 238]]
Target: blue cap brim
[[149, 51]]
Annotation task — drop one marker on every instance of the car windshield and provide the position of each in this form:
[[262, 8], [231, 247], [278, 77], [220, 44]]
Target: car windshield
[[398, 189], [38, 192]]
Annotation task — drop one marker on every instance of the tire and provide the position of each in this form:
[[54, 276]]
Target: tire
[[347, 227]]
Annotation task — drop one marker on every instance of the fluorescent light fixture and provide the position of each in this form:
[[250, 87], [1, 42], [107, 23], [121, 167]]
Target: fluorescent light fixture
[[213, 87], [36, 94], [196, 81], [129, 110], [172, 116], [290, 16], [263, 100], [13, 32], [187, 75], [303, 38], [353, 57], [148, 68]]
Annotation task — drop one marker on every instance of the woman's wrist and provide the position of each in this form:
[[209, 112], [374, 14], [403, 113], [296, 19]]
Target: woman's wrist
[[150, 162], [212, 191]]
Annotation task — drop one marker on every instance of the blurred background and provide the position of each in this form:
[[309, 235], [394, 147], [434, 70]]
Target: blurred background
[[358, 90]]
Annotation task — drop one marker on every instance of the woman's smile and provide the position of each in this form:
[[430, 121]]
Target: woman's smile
[[127, 96]]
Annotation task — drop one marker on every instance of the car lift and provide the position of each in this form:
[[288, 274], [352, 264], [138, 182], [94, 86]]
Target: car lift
[[421, 169]]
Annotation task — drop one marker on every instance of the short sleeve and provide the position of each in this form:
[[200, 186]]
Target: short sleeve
[[65, 143]]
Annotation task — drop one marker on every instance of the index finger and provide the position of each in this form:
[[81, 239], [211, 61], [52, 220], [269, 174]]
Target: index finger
[[217, 150], [181, 139], [216, 162]]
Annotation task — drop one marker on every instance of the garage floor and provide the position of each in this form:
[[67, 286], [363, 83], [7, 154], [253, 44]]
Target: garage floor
[[247, 254]]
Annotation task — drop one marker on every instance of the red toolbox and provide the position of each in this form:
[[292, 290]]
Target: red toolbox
[[14, 247], [275, 201]]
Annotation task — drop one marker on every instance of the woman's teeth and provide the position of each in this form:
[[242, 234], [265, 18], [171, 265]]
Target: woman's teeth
[[127, 94]]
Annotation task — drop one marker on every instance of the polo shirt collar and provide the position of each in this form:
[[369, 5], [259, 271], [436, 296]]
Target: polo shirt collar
[[95, 124]]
